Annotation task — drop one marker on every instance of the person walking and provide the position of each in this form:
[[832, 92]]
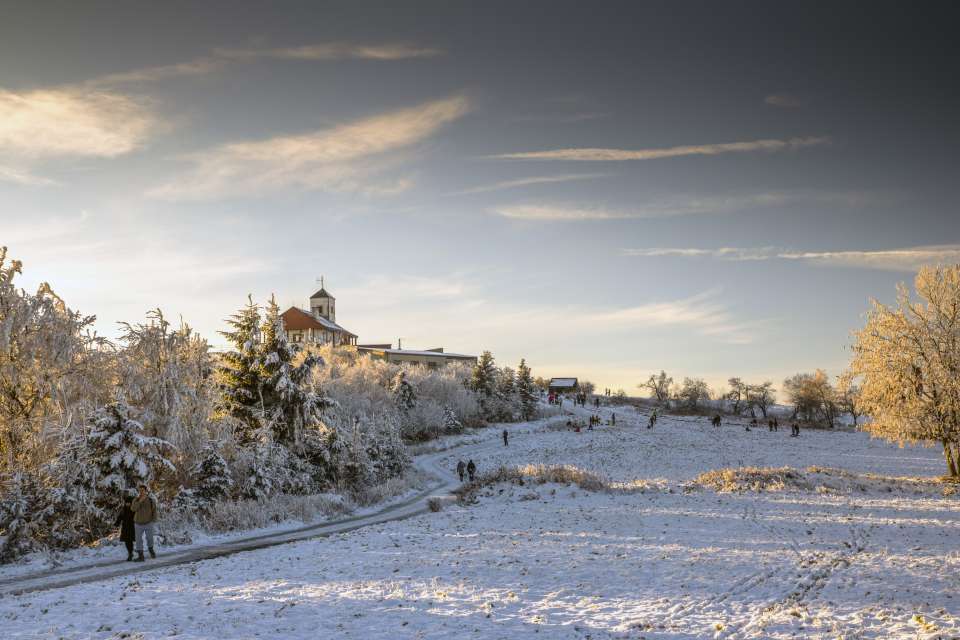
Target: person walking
[[776, 425], [653, 419], [125, 522], [144, 517], [716, 420], [505, 437], [461, 469], [471, 470], [613, 419]]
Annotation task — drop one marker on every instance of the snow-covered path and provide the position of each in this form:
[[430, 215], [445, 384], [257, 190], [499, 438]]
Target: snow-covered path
[[443, 481]]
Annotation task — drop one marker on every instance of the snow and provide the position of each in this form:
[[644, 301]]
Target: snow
[[656, 559]]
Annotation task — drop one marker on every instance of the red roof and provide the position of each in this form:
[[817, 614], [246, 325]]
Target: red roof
[[296, 318]]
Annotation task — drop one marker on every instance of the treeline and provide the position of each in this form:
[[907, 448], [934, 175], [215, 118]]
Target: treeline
[[813, 398], [84, 420]]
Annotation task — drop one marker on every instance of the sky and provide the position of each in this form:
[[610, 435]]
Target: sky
[[606, 190]]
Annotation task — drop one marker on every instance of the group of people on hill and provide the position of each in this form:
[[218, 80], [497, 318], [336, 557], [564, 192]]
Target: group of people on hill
[[773, 424], [468, 469]]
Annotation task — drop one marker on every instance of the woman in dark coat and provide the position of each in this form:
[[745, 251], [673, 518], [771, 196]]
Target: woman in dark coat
[[125, 522]]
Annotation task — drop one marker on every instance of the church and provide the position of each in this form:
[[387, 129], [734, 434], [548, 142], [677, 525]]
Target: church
[[319, 325]]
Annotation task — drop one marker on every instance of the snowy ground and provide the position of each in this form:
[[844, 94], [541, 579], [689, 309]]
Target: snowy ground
[[552, 561]]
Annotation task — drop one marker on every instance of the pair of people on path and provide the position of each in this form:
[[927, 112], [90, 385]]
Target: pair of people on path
[[716, 421], [137, 519], [469, 468]]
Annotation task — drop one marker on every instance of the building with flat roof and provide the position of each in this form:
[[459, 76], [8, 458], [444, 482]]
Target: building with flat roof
[[563, 385], [433, 358]]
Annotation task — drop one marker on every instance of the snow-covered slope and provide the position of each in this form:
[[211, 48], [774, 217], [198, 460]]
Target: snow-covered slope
[[554, 561]]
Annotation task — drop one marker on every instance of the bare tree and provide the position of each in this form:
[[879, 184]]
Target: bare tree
[[848, 398], [761, 396], [736, 395], [908, 358], [693, 392], [659, 386]]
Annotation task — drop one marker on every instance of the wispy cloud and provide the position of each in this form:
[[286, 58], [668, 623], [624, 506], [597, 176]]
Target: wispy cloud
[[220, 58], [723, 253], [329, 159], [613, 155], [525, 182], [198, 67], [24, 177], [691, 205], [72, 121], [907, 259], [704, 313], [786, 101], [334, 51]]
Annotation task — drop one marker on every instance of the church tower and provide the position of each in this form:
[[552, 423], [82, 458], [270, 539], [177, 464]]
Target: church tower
[[323, 304]]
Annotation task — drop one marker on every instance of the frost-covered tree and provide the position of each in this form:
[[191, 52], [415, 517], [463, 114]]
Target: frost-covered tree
[[287, 402], [164, 372], [483, 381], [693, 393], [506, 382], [20, 507], [123, 455], [659, 386], [404, 396], [451, 423], [848, 398], [239, 374], [211, 475], [51, 369], [812, 396], [907, 358], [526, 391]]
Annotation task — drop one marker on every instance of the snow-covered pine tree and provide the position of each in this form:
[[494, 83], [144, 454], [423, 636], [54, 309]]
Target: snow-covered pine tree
[[74, 509], [451, 423], [211, 475], [403, 394], [506, 382], [122, 454], [239, 374], [484, 378], [19, 511], [288, 404], [527, 391]]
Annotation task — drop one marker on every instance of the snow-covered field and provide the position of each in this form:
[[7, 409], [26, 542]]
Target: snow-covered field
[[555, 561]]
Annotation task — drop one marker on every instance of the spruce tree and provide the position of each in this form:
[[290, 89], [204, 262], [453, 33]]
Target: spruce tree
[[122, 454], [527, 391], [239, 374], [403, 394], [484, 378], [211, 475], [287, 403]]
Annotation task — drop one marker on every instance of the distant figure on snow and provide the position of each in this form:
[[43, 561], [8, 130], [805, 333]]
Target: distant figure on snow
[[596, 402], [125, 522], [794, 430], [653, 419], [144, 518], [505, 436], [461, 469], [776, 425], [753, 423], [770, 424], [472, 470], [613, 419], [716, 420]]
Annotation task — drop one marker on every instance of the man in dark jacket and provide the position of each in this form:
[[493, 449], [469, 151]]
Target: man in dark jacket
[[144, 517], [461, 469], [505, 436], [125, 522], [471, 470]]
